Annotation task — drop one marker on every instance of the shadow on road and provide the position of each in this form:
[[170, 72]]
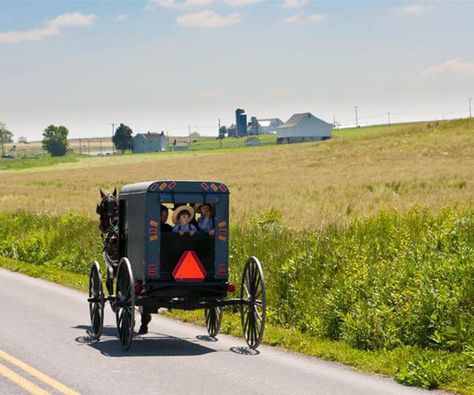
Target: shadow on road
[[154, 344], [206, 338], [244, 351]]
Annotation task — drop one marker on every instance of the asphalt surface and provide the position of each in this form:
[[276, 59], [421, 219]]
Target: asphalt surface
[[44, 326]]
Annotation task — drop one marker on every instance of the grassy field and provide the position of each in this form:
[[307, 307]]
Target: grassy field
[[313, 185], [38, 161], [367, 239], [390, 293]]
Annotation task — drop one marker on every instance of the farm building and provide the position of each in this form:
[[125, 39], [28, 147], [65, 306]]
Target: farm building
[[269, 125], [149, 142], [303, 127], [263, 126]]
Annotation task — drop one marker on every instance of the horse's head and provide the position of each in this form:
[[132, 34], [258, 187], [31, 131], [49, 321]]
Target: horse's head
[[107, 210]]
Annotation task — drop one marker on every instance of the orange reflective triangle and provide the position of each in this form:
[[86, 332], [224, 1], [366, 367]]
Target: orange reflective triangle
[[189, 268]]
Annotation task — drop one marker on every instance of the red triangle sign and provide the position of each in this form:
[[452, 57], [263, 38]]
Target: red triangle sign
[[189, 268]]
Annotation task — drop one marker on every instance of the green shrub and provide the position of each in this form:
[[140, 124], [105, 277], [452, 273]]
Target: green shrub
[[426, 372]]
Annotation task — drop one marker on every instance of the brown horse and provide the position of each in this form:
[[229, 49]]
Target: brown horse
[[108, 213], [107, 210]]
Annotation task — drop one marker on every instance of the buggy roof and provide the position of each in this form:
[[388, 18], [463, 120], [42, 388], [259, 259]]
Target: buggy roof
[[177, 186]]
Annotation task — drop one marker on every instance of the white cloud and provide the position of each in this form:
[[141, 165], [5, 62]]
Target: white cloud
[[293, 18], [241, 3], [178, 4], [453, 66], [294, 3], [208, 19], [120, 18], [413, 10], [318, 17], [52, 28]]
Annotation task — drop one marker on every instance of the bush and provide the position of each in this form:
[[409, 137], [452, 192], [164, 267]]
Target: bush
[[426, 372]]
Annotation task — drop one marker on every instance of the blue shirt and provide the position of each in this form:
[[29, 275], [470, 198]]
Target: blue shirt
[[205, 224], [185, 229]]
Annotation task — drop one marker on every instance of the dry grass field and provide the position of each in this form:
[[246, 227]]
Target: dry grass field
[[358, 172]]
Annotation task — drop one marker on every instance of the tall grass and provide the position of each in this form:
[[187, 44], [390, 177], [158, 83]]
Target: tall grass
[[68, 241], [380, 282]]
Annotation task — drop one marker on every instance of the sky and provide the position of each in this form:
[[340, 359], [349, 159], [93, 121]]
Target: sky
[[166, 64]]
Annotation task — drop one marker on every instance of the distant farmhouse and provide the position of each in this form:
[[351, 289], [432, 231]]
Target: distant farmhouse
[[303, 127], [149, 142]]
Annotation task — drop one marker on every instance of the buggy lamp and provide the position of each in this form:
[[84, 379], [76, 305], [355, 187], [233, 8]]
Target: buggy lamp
[[230, 287]]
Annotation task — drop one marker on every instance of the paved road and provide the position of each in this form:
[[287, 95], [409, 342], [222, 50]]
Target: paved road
[[43, 336]]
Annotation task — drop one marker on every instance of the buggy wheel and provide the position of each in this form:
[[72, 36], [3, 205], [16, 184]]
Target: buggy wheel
[[125, 303], [96, 300], [253, 308], [213, 318]]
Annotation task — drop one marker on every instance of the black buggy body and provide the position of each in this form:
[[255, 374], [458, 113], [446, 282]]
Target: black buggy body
[[158, 269]]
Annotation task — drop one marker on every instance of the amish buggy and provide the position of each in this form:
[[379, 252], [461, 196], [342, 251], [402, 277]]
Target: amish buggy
[[150, 269]]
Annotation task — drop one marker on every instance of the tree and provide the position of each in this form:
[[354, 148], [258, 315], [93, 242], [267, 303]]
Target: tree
[[222, 132], [123, 138], [55, 140], [6, 137], [22, 140]]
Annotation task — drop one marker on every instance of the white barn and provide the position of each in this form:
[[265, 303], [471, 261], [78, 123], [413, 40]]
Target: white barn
[[303, 127]]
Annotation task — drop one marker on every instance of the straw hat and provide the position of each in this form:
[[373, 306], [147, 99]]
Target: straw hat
[[189, 209]]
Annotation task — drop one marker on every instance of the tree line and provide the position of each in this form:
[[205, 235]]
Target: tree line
[[55, 139]]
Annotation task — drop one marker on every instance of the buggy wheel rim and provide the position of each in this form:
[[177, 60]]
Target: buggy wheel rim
[[213, 318], [125, 304], [253, 307], [96, 300]]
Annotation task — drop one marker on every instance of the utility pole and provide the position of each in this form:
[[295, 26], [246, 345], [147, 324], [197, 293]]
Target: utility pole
[[189, 134], [334, 123], [219, 132], [80, 146], [388, 118], [470, 107], [357, 120], [100, 143], [89, 147], [113, 134]]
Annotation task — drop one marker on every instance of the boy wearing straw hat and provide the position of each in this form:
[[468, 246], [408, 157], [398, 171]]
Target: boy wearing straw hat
[[182, 217]]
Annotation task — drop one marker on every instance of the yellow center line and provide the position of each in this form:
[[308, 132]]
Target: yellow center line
[[39, 375], [21, 381]]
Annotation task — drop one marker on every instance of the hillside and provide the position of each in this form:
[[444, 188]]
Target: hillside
[[358, 172]]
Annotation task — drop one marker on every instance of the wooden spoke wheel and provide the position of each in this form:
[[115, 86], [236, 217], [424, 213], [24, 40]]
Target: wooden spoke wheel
[[125, 303], [96, 300], [213, 318], [254, 307]]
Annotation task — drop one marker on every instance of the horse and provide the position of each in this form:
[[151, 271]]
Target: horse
[[107, 210]]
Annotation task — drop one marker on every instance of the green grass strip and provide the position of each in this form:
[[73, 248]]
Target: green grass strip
[[385, 362]]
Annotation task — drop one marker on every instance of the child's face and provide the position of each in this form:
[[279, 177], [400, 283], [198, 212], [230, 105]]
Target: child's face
[[164, 215], [205, 211], [184, 219]]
